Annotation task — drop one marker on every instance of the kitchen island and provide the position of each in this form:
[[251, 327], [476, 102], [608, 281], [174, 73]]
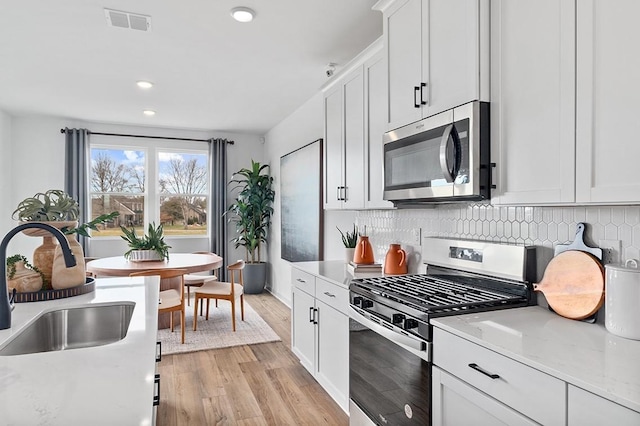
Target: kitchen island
[[102, 385]]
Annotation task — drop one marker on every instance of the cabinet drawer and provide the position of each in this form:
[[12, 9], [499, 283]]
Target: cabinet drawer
[[333, 295], [304, 281], [531, 392]]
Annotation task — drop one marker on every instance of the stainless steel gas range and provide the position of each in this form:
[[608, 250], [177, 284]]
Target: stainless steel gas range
[[390, 337]]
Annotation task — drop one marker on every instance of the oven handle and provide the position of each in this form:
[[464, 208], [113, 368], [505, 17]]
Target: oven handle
[[414, 345]]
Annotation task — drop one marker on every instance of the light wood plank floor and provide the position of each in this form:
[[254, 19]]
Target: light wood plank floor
[[261, 384]]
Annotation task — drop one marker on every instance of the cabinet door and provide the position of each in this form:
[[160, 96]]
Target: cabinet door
[[586, 408], [332, 369], [403, 45], [375, 76], [333, 159], [303, 329], [450, 55], [457, 403], [532, 101], [353, 141], [607, 101]]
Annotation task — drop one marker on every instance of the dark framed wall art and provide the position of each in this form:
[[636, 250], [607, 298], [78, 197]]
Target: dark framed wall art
[[301, 203]]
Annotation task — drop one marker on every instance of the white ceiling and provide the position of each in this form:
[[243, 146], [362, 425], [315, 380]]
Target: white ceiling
[[210, 72]]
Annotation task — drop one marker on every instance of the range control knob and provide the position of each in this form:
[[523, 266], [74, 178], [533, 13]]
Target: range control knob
[[366, 304], [410, 323], [397, 318], [357, 300]]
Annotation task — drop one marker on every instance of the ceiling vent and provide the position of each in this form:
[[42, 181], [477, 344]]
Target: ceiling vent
[[116, 18]]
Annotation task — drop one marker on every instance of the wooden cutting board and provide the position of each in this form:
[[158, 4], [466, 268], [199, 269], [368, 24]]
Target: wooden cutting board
[[573, 284]]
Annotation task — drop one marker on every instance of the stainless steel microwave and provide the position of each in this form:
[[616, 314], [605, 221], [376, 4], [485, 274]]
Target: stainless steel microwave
[[441, 158]]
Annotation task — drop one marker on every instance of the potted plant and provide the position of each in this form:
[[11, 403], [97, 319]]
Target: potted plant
[[58, 209], [253, 209], [349, 240], [22, 275], [150, 246]]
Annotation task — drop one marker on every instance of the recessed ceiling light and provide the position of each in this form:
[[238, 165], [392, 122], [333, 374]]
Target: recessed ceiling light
[[149, 112], [144, 84], [243, 14]]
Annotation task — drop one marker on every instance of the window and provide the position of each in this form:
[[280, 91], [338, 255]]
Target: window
[[150, 184]]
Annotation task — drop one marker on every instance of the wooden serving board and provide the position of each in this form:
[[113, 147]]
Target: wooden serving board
[[573, 284]]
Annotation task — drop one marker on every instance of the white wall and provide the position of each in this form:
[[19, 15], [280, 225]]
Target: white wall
[[5, 172], [300, 128], [38, 165]]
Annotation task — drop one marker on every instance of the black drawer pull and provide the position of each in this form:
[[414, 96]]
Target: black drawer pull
[[300, 280], [478, 369], [158, 351], [311, 314], [156, 397]]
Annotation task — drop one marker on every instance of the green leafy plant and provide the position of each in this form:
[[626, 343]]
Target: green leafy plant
[[49, 206], [93, 225], [252, 208], [11, 267], [152, 240], [349, 239]]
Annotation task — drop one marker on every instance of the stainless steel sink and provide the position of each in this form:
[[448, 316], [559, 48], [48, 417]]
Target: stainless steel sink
[[72, 328]]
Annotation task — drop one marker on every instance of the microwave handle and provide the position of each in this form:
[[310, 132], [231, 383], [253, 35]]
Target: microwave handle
[[449, 133]]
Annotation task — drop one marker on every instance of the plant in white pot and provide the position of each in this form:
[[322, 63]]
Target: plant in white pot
[[150, 246], [252, 211], [350, 240]]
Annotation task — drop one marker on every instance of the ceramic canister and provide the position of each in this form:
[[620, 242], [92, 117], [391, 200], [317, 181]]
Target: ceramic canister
[[395, 262], [622, 299], [363, 254]]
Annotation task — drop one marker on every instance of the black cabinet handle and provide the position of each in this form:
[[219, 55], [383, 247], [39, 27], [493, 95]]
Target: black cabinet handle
[[422, 101], [415, 96], [311, 314], [156, 397], [315, 311], [300, 280], [480, 370], [158, 351]]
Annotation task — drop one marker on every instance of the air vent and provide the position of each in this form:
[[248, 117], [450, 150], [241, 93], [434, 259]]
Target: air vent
[[116, 18]]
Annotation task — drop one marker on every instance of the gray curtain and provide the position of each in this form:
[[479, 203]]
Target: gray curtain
[[218, 201], [76, 178]]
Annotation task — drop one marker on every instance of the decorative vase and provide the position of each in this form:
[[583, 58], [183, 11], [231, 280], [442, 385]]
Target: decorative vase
[[363, 254], [145, 256], [63, 277], [348, 253], [395, 262], [43, 258], [24, 280]]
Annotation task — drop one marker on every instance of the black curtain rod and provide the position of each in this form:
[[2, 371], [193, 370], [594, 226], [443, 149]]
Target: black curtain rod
[[148, 137]]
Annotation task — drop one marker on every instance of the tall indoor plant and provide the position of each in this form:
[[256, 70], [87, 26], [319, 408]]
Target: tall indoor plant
[[252, 211]]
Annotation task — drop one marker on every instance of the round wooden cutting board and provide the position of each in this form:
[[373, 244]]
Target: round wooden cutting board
[[573, 284]]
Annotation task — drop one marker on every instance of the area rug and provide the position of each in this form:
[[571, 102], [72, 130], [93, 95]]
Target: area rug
[[216, 332]]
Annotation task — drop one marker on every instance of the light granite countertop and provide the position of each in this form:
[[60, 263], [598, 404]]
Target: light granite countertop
[[585, 355], [333, 270], [104, 385]]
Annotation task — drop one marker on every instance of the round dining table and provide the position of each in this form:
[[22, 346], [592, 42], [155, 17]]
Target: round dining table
[[118, 266]]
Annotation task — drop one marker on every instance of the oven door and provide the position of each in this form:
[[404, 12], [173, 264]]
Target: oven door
[[389, 373]]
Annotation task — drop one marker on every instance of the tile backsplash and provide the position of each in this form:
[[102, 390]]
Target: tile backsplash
[[544, 227]]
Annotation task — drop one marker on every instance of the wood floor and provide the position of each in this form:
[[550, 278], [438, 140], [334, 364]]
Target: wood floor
[[261, 384]]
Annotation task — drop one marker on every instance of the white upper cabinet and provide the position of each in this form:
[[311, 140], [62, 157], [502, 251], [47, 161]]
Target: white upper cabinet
[[437, 56], [344, 143], [375, 76], [533, 101], [608, 122], [563, 101]]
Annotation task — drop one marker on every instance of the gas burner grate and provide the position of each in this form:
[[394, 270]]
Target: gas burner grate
[[436, 295]]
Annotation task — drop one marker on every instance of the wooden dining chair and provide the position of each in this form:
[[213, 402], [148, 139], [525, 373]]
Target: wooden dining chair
[[196, 280], [230, 291], [172, 300]]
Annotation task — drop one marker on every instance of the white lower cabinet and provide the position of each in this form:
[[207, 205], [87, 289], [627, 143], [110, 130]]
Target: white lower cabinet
[[586, 409], [320, 332], [458, 403], [504, 388]]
